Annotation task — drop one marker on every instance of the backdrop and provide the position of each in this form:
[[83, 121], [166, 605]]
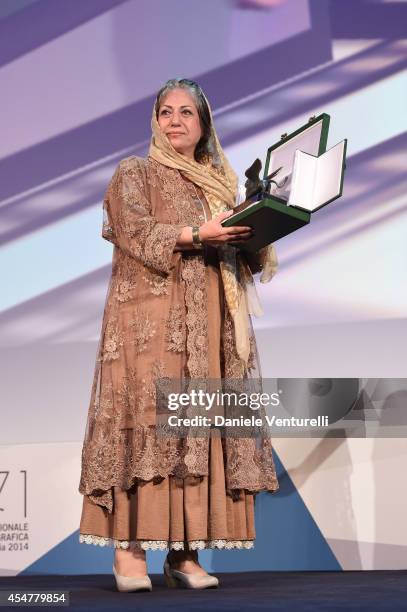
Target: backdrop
[[77, 82]]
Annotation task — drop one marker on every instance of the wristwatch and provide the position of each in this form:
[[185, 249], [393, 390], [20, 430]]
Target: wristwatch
[[196, 240]]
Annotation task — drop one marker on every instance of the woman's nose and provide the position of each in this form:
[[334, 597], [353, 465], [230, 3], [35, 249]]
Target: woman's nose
[[175, 120]]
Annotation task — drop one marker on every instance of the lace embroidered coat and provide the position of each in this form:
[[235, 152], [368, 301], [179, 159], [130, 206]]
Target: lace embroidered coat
[[155, 320]]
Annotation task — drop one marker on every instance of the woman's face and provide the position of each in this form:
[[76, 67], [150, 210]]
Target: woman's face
[[178, 118]]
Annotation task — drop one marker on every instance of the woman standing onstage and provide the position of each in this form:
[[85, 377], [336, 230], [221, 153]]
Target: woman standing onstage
[[178, 305]]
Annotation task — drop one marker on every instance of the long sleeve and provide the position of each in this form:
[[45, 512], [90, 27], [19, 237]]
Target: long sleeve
[[128, 223]]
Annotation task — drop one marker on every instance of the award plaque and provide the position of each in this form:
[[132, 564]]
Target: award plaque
[[300, 177]]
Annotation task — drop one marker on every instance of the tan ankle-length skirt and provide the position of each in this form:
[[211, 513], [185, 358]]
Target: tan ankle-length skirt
[[193, 513]]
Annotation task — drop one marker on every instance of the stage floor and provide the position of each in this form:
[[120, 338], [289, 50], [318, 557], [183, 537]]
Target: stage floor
[[305, 591]]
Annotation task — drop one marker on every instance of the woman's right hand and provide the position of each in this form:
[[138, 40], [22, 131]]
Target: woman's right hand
[[212, 232]]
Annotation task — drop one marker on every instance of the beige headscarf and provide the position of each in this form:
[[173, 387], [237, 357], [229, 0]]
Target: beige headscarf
[[220, 186]]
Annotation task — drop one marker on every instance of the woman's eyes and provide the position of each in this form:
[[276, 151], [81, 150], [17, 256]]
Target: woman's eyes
[[184, 111]]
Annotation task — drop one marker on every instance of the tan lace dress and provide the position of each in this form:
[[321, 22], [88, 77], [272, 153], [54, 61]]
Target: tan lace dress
[[165, 315]]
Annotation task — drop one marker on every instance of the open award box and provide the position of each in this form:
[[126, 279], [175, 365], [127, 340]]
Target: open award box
[[300, 177]]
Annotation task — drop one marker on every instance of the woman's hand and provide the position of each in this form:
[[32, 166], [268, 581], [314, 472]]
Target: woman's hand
[[212, 232]]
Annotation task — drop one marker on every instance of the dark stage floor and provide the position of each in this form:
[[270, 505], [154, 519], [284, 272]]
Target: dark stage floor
[[305, 591]]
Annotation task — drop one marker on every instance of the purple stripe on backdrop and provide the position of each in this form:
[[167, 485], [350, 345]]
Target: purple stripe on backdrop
[[366, 19], [328, 84], [76, 299], [74, 305], [21, 217], [43, 21], [119, 130], [54, 202]]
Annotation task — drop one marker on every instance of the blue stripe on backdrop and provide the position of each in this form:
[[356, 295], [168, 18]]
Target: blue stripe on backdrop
[[287, 539]]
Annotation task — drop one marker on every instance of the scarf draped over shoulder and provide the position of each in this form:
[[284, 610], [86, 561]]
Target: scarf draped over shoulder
[[219, 184]]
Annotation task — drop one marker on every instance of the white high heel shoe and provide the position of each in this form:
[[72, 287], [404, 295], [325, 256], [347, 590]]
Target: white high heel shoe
[[126, 584], [175, 578]]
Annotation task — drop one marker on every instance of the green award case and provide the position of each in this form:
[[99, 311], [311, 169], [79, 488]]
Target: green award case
[[299, 155]]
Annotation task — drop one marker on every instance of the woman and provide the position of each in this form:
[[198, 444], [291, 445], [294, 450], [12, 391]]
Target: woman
[[178, 305]]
